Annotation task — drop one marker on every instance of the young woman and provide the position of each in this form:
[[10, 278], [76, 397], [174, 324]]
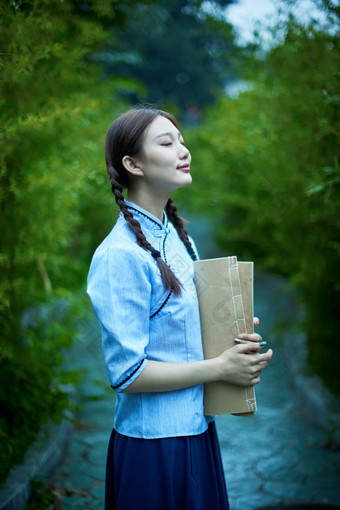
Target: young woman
[[163, 452]]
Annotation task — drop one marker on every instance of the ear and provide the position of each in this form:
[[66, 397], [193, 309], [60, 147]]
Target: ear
[[131, 165]]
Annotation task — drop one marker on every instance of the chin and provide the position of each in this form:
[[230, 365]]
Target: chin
[[184, 184], [187, 179]]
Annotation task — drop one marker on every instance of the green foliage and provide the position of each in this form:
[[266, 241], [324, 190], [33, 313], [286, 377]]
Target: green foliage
[[278, 143], [31, 390], [269, 161], [55, 111], [43, 497]]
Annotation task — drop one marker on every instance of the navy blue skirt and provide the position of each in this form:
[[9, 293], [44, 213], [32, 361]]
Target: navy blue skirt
[[176, 473]]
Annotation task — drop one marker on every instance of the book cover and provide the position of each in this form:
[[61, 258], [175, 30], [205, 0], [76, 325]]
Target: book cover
[[225, 293]]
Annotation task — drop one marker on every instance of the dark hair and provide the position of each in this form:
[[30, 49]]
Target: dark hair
[[125, 138]]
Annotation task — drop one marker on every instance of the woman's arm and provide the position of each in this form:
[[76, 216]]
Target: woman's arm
[[241, 365]]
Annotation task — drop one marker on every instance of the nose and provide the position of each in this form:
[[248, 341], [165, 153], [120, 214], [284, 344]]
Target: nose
[[184, 152]]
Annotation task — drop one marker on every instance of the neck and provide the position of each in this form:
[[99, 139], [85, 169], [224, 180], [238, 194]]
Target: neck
[[150, 202]]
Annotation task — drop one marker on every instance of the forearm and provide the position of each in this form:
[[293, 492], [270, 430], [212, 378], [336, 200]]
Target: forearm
[[241, 365], [161, 376]]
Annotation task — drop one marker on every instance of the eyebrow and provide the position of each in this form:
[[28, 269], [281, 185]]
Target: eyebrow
[[168, 134]]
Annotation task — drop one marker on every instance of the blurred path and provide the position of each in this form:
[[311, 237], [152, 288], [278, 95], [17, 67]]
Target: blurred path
[[277, 457]]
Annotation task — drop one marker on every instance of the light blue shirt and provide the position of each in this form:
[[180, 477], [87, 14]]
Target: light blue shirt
[[140, 320]]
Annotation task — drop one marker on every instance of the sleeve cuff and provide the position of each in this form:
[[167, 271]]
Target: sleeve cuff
[[131, 377]]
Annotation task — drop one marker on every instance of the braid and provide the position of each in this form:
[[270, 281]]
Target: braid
[[177, 221], [169, 279]]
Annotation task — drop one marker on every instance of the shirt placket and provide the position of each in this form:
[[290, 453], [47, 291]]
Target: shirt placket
[[162, 236]]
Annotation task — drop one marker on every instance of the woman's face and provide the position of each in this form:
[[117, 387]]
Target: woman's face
[[164, 161]]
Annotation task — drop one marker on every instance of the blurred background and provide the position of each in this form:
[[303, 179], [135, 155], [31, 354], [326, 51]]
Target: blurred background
[[255, 85]]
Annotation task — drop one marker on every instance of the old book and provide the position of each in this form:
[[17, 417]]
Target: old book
[[225, 293]]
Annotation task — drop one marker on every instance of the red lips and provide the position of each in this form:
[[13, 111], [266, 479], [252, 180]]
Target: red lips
[[185, 167]]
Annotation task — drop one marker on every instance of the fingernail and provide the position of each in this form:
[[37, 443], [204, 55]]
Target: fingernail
[[257, 321], [238, 340], [240, 335], [262, 344]]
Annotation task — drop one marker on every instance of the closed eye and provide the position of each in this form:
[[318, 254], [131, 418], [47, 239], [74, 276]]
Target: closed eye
[[166, 144]]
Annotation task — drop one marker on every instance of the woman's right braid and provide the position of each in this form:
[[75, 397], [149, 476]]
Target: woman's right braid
[[170, 281]]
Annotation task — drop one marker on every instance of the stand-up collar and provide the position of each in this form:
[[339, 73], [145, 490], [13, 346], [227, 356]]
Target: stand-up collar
[[147, 219]]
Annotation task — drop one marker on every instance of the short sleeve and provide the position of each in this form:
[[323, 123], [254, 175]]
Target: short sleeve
[[120, 292]]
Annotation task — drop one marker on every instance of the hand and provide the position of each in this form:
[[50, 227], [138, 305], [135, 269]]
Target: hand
[[243, 363]]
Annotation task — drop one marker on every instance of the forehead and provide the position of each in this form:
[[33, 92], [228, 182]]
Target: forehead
[[160, 125]]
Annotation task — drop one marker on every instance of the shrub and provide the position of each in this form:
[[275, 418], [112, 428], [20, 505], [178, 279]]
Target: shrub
[[269, 162], [55, 112]]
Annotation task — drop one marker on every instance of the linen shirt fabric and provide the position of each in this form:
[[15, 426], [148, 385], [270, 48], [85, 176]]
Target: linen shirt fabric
[[140, 320]]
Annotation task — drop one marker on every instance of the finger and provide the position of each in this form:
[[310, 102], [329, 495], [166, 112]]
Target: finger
[[256, 380], [248, 347], [250, 342], [239, 341], [257, 374], [266, 356], [257, 321], [251, 337]]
